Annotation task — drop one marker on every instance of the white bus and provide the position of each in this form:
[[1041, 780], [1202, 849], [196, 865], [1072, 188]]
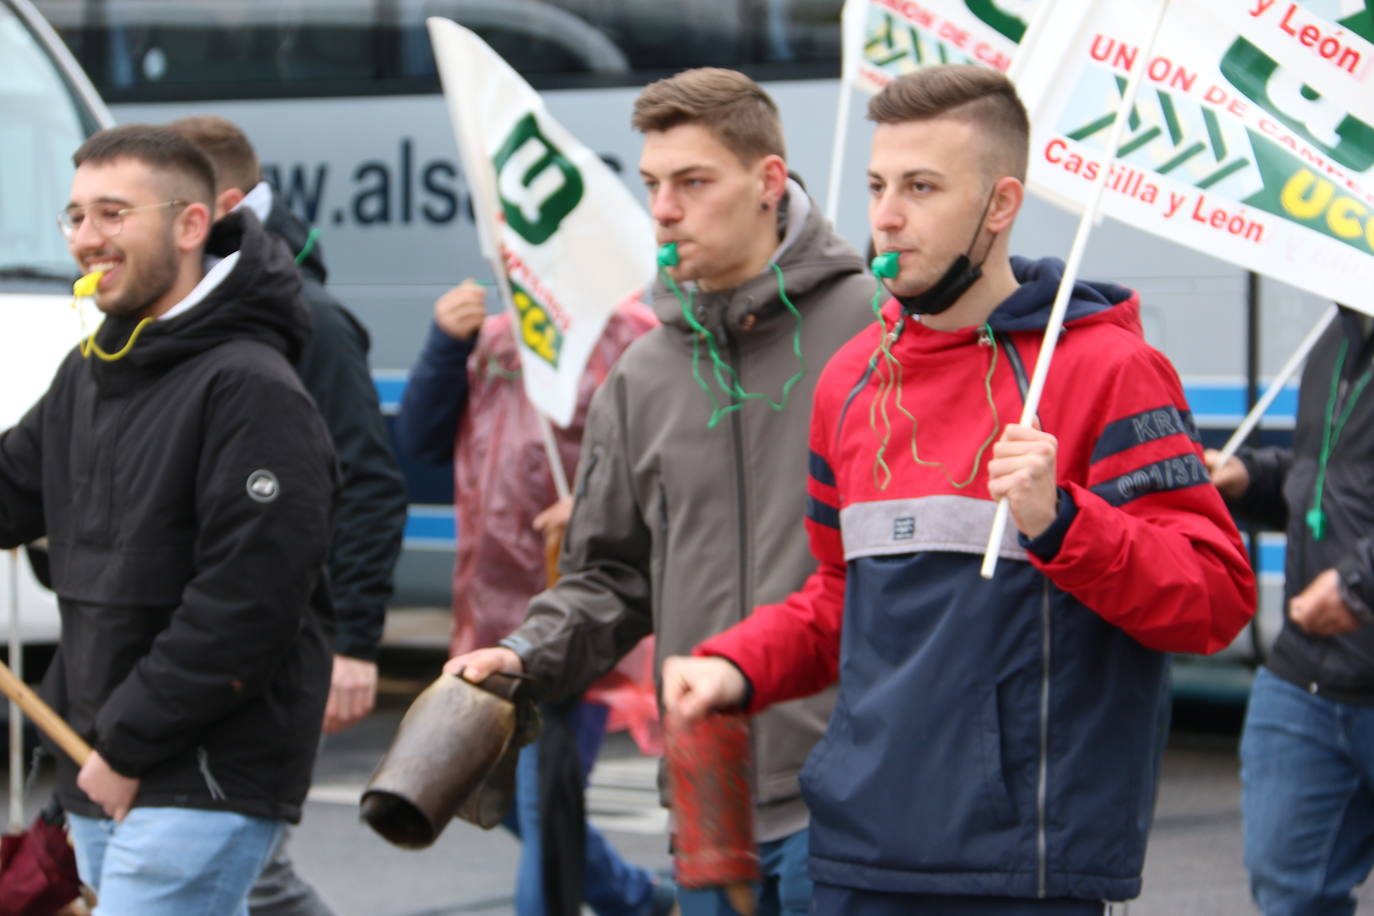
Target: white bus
[[47, 108], [342, 101]]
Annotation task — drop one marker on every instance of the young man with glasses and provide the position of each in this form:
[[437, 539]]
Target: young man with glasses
[[185, 483], [107, 218]]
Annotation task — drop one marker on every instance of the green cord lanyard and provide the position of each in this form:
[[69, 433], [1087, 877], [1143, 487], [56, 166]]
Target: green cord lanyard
[[1331, 434], [726, 376], [884, 267], [310, 239]]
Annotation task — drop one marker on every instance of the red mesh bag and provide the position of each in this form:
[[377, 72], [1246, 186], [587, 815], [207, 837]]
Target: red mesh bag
[[713, 811]]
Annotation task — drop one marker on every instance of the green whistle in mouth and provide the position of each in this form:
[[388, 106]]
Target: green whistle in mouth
[[884, 266]]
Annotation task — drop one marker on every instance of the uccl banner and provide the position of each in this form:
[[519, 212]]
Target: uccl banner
[[1252, 138], [571, 240]]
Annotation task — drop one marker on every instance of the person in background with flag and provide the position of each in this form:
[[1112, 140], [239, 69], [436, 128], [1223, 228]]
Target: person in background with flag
[[370, 518], [464, 402], [1307, 749], [687, 512], [995, 746]]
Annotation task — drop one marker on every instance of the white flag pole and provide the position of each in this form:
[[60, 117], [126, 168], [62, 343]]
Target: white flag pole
[[852, 19], [1061, 300], [1037, 22], [560, 474], [832, 190], [1289, 369], [474, 158]]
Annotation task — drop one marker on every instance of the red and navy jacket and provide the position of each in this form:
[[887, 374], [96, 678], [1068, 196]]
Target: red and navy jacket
[[1003, 736]]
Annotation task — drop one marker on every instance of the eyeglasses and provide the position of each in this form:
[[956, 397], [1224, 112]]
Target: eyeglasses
[[106, 218]]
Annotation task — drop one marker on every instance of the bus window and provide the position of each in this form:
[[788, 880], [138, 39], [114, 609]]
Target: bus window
[[220, 49], [159, 50], [42, 125], [47, 108]]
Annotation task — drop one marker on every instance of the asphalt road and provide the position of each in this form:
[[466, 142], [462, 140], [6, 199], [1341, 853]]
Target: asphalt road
[[1193, 867]]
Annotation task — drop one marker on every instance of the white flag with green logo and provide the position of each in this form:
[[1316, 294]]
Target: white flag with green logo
[[565, 235], [884, 39], [1252, 138]]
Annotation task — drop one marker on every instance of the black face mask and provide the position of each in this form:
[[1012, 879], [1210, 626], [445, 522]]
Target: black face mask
[[962, 274], [946, 291]]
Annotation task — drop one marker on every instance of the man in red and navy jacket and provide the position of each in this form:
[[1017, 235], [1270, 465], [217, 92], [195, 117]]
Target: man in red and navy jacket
[[996, 743]]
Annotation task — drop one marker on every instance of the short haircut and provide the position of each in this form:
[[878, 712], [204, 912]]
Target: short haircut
[[968, 93], [734, 108], [231, 155], [188, 170]]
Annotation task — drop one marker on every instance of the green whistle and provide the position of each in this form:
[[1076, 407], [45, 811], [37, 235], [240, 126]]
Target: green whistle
[[884, 266], [1316, 520]]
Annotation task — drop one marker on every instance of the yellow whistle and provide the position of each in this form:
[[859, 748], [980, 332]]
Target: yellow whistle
[[87, 284]]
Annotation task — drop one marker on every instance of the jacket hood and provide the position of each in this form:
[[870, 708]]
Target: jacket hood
[[259, 299], [809, 255], [1028, 309], [284, 224]]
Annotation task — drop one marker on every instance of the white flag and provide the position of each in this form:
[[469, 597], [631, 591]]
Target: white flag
[[1252, 138], [560, 228]]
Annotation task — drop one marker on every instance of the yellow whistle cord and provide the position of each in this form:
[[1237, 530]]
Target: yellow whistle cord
[[89, 346], [85, 287]]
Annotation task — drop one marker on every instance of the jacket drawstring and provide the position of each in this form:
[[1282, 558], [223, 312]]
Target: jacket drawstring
[[203, 760]]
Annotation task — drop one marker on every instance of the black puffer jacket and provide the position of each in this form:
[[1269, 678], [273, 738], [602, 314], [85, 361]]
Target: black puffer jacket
[[186, 491], [371, 514], [1282, 485]]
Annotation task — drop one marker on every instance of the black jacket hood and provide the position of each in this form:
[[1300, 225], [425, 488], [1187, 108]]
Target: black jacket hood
[[286, 225], [259, 300]]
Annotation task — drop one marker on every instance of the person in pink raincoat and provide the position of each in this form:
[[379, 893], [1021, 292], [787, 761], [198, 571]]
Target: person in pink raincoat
[[465, 402]]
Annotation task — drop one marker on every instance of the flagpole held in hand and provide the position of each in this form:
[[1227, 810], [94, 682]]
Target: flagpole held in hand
[[1066, 284], [42, 715]]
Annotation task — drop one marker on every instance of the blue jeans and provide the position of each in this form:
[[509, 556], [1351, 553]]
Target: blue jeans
[[172, 861], [611, 886], [1307, 777], [786, 888]]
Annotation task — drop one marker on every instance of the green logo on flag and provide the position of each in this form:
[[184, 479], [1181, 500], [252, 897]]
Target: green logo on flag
[[1300, 108], [897, 47], [538, 331], [1298, 191], [1168, 134], [1008, 24], [538, 185]]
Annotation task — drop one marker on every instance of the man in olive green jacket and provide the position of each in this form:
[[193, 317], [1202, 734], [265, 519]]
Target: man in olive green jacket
[[690, 494]]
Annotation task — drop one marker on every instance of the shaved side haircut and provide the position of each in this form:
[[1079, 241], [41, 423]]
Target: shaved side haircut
[[184, 170], [974, 95]]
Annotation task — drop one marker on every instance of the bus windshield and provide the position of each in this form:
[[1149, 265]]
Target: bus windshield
[[140, 51], [43, 124]]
